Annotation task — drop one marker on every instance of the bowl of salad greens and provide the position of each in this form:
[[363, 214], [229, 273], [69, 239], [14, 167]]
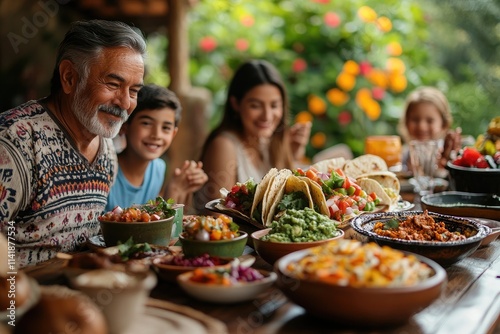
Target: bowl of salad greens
[[148, 223]]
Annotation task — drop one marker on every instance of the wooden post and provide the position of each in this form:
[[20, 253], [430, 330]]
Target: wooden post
[[193, 129]]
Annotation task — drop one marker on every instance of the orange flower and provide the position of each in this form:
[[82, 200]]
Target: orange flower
[[367, 14], [318, 140], [395, 65], [363, 95], [337, 97], [397, 82], [351, 67], [303, 117], [384, 24], [377, 77], [346, 81], [394, 49], [372, 109], [316, 105]]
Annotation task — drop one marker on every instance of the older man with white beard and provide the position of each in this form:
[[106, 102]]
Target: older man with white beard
[[57, 160]]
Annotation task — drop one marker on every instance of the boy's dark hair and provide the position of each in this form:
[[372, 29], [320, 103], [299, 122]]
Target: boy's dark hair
[[157, 97]]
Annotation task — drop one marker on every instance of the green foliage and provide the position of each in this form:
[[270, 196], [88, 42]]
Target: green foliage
[[324, 35]]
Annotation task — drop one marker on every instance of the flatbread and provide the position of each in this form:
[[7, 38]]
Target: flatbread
[[386, 186], [326, 166], [273, 195], [261, 189], [372, 186], [363, 164], [297, 184], [317, 195]]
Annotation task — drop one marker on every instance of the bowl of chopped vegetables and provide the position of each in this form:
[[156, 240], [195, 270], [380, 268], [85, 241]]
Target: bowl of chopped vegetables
[[226, 285], [350, 283], [293, 231], [171, 266], [443, 238], [148, 223], [215, 236]]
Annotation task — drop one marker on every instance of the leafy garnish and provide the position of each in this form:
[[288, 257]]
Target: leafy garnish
[[296, 200], [391, 224], [161, 207], [128, 249]]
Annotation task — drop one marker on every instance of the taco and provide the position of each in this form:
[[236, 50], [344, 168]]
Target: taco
[[260, 191], [275, 190], [294, 195], [384, 184], [363, 164], [317, 196], [326, 166]]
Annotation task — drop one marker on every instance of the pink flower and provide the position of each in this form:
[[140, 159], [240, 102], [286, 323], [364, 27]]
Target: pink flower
[[344, 117], [378, 93], [241, 44], [365, 68], [299, 65], [208, 44], [324, 2], [332, 19]]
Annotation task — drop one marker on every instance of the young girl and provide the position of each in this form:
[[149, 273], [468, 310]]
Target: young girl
[[427, 116], [254, 135]]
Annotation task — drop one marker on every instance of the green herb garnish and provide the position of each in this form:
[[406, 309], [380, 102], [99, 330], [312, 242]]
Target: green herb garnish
[[391, 224], [128, 249], [161, 207]]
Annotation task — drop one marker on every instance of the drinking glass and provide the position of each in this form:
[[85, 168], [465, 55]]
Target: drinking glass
[[386, 147], [423, 162]]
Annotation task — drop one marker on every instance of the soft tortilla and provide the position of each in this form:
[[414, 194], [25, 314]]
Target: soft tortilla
[[273, 195], [364, 164], [261, 190], [317, 196], [326, 166], [386, 186]]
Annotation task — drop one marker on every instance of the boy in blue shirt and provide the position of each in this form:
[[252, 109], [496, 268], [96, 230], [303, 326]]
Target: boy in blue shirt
[[149, 131]]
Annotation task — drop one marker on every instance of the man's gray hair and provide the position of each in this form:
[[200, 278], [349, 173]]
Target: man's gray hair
[[85, 40]]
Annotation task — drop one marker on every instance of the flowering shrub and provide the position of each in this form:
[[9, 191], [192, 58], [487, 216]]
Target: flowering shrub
[[348, 64]]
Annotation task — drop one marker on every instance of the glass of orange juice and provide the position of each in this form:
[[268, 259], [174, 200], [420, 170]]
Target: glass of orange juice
[[386, 147]]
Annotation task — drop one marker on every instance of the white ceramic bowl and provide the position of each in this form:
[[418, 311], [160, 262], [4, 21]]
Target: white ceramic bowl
[[224, 294]]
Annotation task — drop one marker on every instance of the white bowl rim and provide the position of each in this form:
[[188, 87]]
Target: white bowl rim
[[269, 277]]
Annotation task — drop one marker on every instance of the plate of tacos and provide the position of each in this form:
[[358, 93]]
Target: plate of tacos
[[336, 188]]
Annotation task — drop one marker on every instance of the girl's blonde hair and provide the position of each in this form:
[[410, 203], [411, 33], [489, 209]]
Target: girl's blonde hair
[[426, 94]]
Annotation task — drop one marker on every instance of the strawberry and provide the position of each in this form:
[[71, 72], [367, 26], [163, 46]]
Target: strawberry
[[470, 156]]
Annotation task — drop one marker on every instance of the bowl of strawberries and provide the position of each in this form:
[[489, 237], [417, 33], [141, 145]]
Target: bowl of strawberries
[[473, 171]]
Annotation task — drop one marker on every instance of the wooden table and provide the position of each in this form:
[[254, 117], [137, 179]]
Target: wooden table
[[470, 302]]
